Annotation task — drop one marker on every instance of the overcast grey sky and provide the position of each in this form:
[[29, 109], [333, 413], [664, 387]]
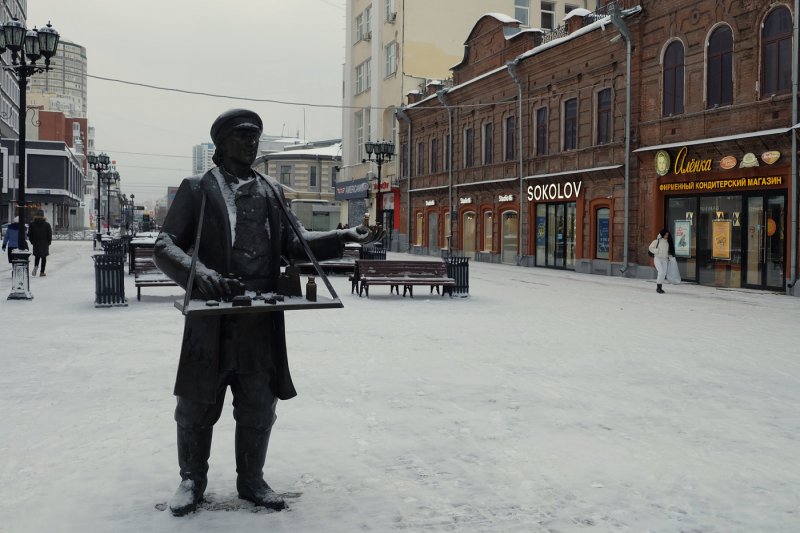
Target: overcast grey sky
[[286, 50]]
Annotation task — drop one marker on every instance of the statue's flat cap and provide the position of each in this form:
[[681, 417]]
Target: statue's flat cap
[[234, 119]]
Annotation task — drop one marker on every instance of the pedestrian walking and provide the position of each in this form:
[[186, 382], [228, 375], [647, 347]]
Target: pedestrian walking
[[663, 250], [41, 236], [11, 238]]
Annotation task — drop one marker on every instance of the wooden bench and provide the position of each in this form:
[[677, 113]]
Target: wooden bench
[[146, 272], [405, 273], [344, 265]]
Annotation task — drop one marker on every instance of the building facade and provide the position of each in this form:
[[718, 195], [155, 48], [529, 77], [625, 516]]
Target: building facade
[[65, 85], [394, 47], [691, 127], [308, 175]]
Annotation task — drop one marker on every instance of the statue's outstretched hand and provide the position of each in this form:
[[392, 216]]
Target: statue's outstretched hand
[[213, 286], [363, 234]]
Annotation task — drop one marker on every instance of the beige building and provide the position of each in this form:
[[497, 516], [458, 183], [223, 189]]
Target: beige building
[[395, 47]]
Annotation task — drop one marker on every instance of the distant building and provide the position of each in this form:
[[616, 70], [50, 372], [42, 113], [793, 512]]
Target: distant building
[[65, 84], [308, 176], [202, 158]]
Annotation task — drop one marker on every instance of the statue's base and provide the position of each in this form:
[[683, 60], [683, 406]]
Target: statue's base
[[289, 303]]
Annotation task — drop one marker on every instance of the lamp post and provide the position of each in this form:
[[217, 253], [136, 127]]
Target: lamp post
[[27, 47], [98, 163], [132, 209], [110, 177], [382, 151]]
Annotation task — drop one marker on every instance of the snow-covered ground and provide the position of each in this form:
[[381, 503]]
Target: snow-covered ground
[[545, 402]]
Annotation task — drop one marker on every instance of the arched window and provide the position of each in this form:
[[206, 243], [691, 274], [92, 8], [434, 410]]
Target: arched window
[[776, 50], [719, 78], [673, 79]]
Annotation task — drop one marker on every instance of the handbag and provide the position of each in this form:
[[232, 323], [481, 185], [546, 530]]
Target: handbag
[[652, 245]]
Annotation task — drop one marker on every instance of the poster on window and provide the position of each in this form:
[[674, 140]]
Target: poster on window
[[683, 238], [721, 244], [540, 231], [603, 238]]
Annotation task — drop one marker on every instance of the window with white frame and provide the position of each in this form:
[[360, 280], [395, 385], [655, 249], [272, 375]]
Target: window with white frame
[[312, 177], [363, 76], [389, 11], [390, 57], [522, 11], [367, 22], [368, 122], [359, 28], [548, 11], [286, 175]]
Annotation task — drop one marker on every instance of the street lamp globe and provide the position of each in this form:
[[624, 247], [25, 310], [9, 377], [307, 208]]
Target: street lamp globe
[[14, 33], [48, 41], [32, 50]]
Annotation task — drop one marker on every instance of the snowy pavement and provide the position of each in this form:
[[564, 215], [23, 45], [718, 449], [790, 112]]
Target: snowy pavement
[[547, 401]]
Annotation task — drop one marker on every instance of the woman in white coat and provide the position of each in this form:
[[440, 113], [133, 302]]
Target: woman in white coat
[[663, 250]]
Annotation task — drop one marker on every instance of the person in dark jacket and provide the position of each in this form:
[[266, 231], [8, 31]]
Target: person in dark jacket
[[11, 238], [244, 236], [41, 236]]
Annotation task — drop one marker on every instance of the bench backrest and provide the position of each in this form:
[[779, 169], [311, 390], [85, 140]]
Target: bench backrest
[[421, 269]]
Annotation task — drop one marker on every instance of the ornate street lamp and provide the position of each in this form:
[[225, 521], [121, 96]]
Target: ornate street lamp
[[110, 178], [379, 151], [27, 47], [98, 163]]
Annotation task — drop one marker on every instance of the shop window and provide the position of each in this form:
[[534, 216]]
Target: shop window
[[604, 116], [469, 228], [488, 142], [673, 79], [571, 124], [541, 131], [418, 235], [510, 229], [603, 233], [719, 84], [776, 59], [488, 228]]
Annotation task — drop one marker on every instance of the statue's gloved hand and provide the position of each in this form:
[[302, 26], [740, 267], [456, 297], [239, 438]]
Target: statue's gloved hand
[[214, 286], [363, 234]]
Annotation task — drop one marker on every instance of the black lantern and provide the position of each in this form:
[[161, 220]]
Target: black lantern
[[379, 151]]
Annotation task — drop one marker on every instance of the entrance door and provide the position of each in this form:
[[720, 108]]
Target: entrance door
[[433, 234], [766, 242]]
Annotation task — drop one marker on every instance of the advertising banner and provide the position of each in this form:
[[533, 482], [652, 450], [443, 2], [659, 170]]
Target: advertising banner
[[683, 238], [721, 244]]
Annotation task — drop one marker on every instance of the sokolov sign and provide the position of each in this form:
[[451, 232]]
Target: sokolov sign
[[568, 190]]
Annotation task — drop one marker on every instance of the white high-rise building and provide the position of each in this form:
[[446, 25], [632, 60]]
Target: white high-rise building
[[202, 158]]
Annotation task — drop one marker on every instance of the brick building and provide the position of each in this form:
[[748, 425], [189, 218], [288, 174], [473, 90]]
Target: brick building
[[710, 101]]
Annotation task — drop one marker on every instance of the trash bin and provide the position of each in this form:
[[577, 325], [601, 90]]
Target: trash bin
[[458, 269], [109, 280]]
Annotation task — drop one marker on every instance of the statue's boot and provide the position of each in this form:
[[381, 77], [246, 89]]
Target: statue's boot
[[194, 448], [251, 452]]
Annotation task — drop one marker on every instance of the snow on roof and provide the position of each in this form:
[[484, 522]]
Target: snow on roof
[[502, 17], [600, 23], [577, 12], [334, 150]]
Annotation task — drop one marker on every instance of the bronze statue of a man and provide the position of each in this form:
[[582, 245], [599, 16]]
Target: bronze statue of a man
[[244, 235]]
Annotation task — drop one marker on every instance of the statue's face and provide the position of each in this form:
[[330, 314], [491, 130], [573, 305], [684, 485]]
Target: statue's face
[[241, 146]]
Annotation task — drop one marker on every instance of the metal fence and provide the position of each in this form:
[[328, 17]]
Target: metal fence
[[372, 252]]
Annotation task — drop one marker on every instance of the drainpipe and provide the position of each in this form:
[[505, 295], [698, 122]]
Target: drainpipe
[[616, 20], [440, 94], [795, 202], [512, 71], [401, 114]]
